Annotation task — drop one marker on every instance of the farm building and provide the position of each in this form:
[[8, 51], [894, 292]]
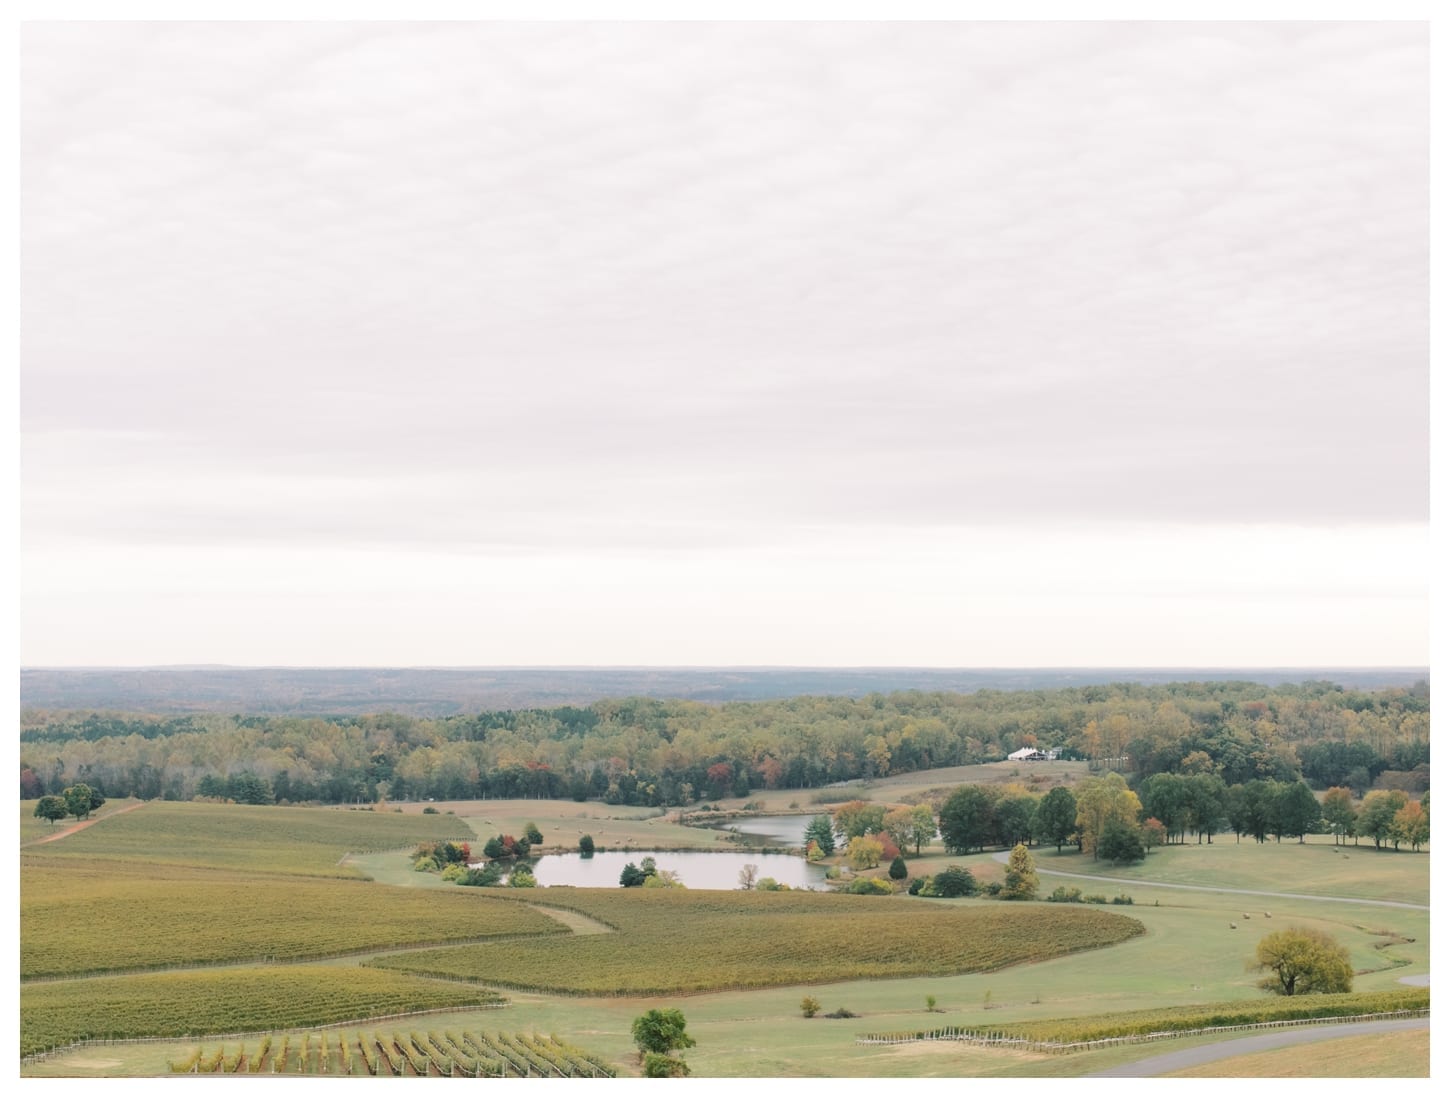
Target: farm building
[[1031, 754]]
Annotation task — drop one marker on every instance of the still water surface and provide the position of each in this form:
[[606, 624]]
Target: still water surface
[[699, 869], [790, 830]]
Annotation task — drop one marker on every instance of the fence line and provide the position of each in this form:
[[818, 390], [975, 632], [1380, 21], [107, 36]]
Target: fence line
[[1002, 1038], [90, 1042]]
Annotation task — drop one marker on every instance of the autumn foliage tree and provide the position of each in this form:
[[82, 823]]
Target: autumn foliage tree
[[863, 852], [1020, 882], [1300, 960]]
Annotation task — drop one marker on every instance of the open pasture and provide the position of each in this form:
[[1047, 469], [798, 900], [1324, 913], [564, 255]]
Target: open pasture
[[1316, 867], [130, 916], [679, 941], [249, 837], [233, 1000]]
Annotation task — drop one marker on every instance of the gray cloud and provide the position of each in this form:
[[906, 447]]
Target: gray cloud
[[695, 283]]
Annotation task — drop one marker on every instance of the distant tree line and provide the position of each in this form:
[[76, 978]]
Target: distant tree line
[[644, 751]]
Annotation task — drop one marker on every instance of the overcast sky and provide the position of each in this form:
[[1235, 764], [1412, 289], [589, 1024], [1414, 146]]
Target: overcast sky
[[954, 344]]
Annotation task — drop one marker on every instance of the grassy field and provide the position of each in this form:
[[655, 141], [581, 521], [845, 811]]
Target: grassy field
[[248, 837], [1380, 1056], [115, 921], [680, 941], [1316, 866]]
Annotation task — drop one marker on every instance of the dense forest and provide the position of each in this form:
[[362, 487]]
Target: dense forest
[[645, 751]]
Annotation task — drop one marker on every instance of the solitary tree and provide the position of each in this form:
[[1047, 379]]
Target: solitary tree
[[532, 833], [1021, 879], [810, 1006], [586, 845], [1300, 960], [747, 876], [658, 1033], [51, 808], [898, 870]]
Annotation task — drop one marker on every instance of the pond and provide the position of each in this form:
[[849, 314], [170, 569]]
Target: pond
[[696, 869], [788, 830]]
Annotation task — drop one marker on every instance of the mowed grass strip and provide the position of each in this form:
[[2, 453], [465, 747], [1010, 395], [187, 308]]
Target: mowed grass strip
[[256, 837], [236, 1000], [678, 941], [129, 916]]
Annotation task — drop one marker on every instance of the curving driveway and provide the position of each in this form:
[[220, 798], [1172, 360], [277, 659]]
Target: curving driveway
[[1223, 1050]]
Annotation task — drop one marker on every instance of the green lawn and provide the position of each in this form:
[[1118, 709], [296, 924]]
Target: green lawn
[[1316, 866]]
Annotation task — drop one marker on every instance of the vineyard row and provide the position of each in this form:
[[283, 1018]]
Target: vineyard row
[[435, 1053]]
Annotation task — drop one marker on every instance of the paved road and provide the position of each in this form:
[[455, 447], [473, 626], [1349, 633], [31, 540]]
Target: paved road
[[1261, 1042], [1004, 855]]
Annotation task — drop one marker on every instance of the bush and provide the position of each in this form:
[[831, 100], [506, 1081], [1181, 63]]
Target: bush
[[1062, 894], [430, 811], [954, 880], [994, 889], [425, 865], [478, 878], [898, 868], [1122, 898], [659, 1066], [915, 886], [810, 1007], [455, 872], [522, 878], [869, 886], [842, 1012], [1094, 899]]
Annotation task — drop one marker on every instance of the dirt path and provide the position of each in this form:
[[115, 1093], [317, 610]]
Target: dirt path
[[579, 924], [1223, 1050], [1145, 883], [80, 825]]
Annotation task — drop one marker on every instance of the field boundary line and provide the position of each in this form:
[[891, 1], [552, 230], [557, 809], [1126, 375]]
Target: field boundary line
[[1001, 1038]]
